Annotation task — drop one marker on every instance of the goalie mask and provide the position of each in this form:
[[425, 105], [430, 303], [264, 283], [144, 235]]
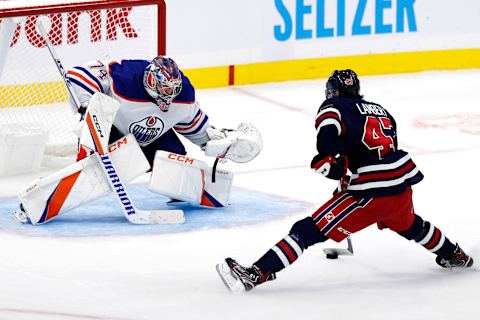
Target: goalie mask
[[343, 83], [163, 81]]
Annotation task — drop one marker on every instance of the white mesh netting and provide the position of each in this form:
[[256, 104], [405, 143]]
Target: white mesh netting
[[31, 88]]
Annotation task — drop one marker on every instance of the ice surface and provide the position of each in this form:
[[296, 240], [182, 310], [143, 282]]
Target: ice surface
[[172, 275]]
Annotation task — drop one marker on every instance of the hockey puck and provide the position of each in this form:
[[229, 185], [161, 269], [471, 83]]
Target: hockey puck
[[332, 255]]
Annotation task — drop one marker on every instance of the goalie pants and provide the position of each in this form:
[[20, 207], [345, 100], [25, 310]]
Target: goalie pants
[[343, 215], [168, 141]]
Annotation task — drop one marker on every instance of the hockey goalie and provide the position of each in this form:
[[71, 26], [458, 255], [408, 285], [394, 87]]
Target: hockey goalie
[[131, 114]]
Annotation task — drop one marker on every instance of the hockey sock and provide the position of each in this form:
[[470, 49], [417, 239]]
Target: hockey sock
[[426, 234], [303, 234]]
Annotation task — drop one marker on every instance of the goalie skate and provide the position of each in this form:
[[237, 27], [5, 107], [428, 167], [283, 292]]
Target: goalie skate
[[20, 215]]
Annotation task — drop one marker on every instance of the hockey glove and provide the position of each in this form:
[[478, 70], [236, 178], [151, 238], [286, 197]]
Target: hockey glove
[[330, 167], [241, 145]]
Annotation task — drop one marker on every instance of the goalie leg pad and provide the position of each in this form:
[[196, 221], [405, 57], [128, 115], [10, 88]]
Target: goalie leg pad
[[187, 179], [80, 182]]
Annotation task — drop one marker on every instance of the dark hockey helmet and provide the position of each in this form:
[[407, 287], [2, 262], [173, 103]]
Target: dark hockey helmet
[[343, 83], [162, 79]]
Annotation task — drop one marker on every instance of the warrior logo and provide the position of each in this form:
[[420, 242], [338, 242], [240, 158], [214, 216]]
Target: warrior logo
[[147, 130]]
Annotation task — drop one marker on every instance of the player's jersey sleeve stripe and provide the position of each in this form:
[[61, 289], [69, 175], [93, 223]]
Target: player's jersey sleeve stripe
[[328, 110], [195, 127], [329, 116], [187, 126], [330, 121], [91, 77], [81, 85], [200, 127], [199, 113], [85, 79]]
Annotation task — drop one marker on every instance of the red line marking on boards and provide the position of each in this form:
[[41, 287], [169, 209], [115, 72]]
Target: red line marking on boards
[[231, 75]]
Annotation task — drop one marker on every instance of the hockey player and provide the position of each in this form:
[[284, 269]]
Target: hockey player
[[156, 101], [358, 135]]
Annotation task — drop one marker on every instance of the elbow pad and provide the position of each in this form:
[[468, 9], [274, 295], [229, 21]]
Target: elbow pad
[[330, 167]]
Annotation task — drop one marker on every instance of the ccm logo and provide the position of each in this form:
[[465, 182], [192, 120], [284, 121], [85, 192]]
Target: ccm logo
[[117, 145], [99, 128], [114, 18], [180, 158]]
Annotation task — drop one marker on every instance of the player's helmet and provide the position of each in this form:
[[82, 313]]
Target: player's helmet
[[343, 83], [162, 79]]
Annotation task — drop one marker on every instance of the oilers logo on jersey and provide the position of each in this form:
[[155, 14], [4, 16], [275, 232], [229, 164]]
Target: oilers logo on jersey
[[147, 129]]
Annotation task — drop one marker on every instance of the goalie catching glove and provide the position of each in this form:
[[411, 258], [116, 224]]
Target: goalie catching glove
[[241, 145]]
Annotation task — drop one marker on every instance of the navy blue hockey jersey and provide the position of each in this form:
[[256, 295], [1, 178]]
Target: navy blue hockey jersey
[[365, 133]]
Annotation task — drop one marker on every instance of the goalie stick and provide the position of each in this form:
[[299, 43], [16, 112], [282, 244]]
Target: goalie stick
[[100, 141]]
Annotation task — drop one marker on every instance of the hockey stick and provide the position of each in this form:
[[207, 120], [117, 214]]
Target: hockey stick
[[100, 141], [333, 253], [60, 68]]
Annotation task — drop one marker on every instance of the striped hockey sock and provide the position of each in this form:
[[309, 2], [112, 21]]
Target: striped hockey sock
[[430, 237], [281, 255], [435, 241]]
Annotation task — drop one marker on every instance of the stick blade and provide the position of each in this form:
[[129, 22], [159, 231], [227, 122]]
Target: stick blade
[[338, 251], [157, 217]]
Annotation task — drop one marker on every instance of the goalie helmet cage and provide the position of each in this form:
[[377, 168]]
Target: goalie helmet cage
[[31, 88]]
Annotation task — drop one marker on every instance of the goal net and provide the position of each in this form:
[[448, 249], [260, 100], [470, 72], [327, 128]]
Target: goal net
[[31, 89]]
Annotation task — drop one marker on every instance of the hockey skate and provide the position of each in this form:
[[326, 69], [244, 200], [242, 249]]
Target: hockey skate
[[237, 278], [20, 215], [459, 259]]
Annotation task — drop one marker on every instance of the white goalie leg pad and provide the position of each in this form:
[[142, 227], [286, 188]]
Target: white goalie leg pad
[[80, 182], [187, 179], [241, 145]]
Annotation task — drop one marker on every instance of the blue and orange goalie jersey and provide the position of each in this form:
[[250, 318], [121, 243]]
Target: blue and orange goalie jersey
[[139, 114], [366, 134]]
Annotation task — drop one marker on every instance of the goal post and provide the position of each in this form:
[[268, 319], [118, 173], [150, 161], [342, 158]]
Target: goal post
[[32, 90]]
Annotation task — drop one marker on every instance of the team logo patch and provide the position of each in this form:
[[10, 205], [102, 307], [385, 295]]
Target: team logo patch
[[147, 130], [330, 216]]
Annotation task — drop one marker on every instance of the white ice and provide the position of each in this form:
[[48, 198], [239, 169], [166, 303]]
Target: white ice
[[172, 276]]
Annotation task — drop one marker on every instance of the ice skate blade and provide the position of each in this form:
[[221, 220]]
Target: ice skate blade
[[20, 216], [229, 279]]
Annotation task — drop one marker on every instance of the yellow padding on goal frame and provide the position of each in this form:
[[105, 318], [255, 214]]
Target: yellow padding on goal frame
[[214, 77], [32, 94]]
